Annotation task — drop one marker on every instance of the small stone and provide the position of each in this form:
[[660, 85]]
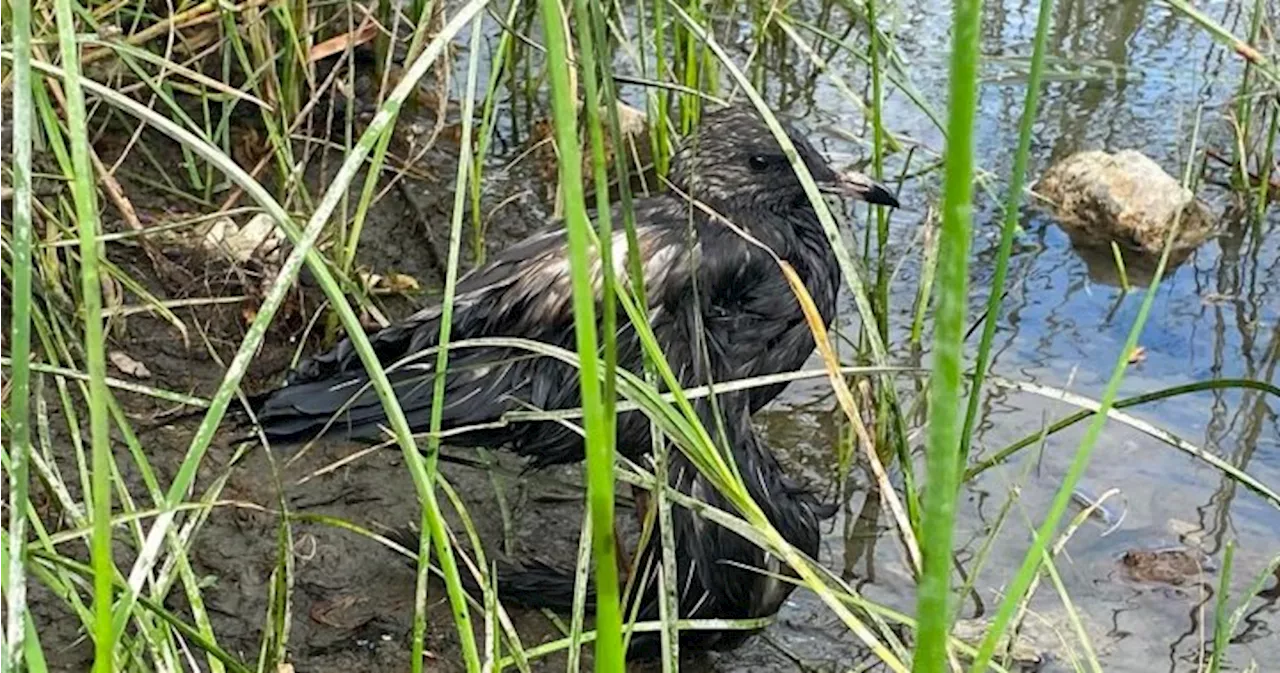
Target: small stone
[[1127, 198], [129, 366]]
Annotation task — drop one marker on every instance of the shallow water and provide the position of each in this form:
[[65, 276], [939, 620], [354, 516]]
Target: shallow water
[[1129, 75]]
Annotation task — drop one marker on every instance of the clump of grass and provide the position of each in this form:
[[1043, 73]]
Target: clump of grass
[[107, 626]]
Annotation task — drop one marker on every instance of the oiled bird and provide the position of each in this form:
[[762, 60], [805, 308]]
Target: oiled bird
[[719, 305]]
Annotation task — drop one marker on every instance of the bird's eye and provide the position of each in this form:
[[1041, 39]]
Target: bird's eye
[[758, 162]]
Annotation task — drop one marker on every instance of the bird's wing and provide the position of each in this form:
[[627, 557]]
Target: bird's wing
[[524, 291]]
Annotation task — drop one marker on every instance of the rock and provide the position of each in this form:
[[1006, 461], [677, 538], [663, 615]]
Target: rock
[[1124, 197], [1174, 566], [258, 238]]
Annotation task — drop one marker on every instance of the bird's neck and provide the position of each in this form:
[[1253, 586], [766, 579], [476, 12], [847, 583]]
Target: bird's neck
[[792, 231], [814, 260]]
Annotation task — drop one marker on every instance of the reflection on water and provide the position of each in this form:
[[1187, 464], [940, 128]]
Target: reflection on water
[[1140, 75]]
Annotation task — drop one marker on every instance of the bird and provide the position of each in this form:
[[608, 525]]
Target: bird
[[720, 308], [719, 574], [718, 305]]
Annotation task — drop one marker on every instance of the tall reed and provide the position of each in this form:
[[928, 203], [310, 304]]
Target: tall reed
[[19, 411], [609, 655], [933, 597]]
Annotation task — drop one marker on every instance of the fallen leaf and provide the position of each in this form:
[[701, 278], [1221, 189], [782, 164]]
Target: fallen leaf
[[218, 232], [632, 121], [368, 278], [128, 365], [367, 31], [399, 282], [392, 283], [258, 236]]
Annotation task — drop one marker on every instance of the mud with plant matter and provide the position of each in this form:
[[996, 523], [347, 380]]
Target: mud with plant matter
[[352, 597]]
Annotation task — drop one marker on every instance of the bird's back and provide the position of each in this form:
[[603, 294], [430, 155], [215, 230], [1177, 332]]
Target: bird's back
[[719, 307]]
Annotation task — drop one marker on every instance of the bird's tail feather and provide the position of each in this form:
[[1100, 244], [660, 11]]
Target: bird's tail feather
[[538, 584], [480, 387]]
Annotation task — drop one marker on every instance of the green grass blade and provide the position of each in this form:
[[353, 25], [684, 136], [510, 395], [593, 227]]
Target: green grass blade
[[1222, 626], [1030, 107], [446, 323], [599, 443], [19, 413], [934, 593], [85, 196], [111, 381], [1091, 407], [31, 658]]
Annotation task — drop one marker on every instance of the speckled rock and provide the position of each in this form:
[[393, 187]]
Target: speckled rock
[[1124, 197]]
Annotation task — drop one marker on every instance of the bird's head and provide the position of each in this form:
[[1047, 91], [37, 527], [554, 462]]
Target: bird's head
[[733, 163]]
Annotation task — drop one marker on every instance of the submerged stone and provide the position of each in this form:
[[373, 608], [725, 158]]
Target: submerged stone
[[1126, 198]]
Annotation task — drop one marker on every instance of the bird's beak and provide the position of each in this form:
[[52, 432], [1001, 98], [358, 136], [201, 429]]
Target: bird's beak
[[859, 186]]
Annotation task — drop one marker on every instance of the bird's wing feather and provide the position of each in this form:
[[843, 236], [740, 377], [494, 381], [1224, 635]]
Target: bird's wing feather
[[524, 291]]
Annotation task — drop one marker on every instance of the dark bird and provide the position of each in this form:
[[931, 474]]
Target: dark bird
[[719, 307]]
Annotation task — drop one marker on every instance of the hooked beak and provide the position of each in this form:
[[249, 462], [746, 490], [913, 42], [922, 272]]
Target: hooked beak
[[859, 186]]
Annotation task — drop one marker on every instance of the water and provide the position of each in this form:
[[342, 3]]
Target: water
[[1123, 75]]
